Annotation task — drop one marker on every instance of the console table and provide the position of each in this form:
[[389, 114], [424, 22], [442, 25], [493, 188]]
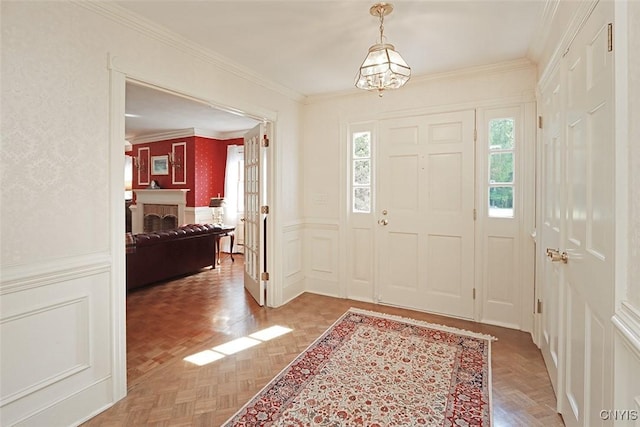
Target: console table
[[226, 231]]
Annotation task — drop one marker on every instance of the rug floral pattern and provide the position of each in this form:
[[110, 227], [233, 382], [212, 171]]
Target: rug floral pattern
[[379, 371]]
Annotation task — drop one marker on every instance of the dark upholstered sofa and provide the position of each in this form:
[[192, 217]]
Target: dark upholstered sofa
[[161, 255]]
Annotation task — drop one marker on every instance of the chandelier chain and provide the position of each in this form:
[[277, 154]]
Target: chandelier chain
[[381, 25]]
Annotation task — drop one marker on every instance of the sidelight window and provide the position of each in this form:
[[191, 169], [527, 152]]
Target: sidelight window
[[361, 172], [501, 167]]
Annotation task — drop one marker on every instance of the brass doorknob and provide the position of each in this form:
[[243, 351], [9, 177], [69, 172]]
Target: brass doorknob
[[383, 221], [555, 255]]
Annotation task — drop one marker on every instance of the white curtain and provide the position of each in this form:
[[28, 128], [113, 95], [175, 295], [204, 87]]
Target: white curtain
[[233, 192]]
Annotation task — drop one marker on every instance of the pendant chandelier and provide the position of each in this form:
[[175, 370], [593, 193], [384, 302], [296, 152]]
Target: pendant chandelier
[[383, 68]]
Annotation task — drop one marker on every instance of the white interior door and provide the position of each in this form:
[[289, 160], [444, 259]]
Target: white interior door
[[589, 236], [254, 218], [552, 225], [425, 213]]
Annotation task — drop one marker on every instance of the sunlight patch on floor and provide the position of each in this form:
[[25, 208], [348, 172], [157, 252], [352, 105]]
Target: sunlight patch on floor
[[204, 357], [216, 353], [270, 333], [236, 345]]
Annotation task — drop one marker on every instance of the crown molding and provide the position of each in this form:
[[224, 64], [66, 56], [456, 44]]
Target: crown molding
[[541, 34], [500, 67], [184, 133], [578, 20], [144, 26]]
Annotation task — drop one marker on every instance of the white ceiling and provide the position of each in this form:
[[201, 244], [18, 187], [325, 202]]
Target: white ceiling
[[316, 47], [150, 111]]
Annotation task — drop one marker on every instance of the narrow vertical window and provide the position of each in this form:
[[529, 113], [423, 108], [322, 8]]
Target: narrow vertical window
[[501, 167], [361, 172]]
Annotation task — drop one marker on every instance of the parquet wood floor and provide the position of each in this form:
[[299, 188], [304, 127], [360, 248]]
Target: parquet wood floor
[[170, 321]]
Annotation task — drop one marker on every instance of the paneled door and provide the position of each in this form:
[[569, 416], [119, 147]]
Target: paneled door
[[552, 225], [425, 213], [254, 217], [589, 236]]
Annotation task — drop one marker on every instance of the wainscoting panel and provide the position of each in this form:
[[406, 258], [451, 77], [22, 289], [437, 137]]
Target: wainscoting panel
[[64, 342], [501, 303], [321, 265], [293, 260], [56, 342], [360, 270], [198, 215], [626, 323], [293, 264]]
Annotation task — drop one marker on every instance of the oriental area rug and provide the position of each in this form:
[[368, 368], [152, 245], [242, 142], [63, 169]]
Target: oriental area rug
[[372, 369]]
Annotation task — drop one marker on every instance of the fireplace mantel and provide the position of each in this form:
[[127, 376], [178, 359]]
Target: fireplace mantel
[[177, 197]]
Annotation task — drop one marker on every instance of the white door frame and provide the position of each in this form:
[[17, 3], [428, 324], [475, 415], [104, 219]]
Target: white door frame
[[348, 124], [119, 75]]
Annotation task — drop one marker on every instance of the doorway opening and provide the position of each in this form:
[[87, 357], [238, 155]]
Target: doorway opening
[[195, 138]]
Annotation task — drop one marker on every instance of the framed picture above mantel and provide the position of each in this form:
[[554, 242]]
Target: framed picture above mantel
[[160, 165]]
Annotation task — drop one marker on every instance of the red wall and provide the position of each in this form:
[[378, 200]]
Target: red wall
[[205, 166]]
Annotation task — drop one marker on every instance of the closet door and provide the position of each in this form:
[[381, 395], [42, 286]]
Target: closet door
[[552, 227], [589, 236]]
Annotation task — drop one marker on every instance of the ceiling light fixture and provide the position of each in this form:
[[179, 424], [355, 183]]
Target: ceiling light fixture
[[383, 68]]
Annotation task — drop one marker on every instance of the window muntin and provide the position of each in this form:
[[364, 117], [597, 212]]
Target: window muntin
[[501, 167], [361, 172]]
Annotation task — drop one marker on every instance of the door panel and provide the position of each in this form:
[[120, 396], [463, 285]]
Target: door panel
[[253, 218], [577, 217], [426, 201], [590, 227], [552, 169]]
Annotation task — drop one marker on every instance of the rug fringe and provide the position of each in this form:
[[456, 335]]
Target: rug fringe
[[424, 323]]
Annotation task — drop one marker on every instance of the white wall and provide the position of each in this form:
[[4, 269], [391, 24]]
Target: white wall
[[62, 212], [633, 52], [324, 155]]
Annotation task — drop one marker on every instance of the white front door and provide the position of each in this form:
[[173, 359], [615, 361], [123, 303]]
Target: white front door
[[589, 236], [425, 213], [254, 217]]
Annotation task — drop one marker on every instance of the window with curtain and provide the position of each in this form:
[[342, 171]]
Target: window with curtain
[[234, 194]]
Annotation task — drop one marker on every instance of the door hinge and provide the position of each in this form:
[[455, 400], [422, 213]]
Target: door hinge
[[474, 293], [265, 141], [539, 122], [264, 276], [475, 214], [539, 307], [475, 135], [610, 37], [264, 209]]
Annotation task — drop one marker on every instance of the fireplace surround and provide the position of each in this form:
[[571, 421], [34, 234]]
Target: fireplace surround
[[158, 209]]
